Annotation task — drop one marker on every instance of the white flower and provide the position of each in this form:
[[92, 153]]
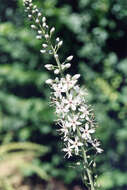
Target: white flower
[[58, 89], [75, 144], [68, 150], [64, 128], [86, 132], [73, 122], [60, 108], [84, 112], [70, 102], [99, 150], [68, 82], [96, 145]]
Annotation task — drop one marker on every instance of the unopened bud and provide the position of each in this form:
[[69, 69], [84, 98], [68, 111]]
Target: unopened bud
[[94, 164], [56, 56], [39, 14], [43, 51], [68, 65], [52, 30], [49, 81], [35, 6], [37, 20], [39, 37], [57, 39], [36, 10], [44, 45], [75, 77], [33, 11], [49, 67], [46, 36], [30, 16], [33, 26], [56, 71], [43, 19], [44, 24], [69, 58], [39, 32], [30, 5], [60, 43]]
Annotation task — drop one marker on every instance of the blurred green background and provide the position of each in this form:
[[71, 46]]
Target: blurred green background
[[95, 32]]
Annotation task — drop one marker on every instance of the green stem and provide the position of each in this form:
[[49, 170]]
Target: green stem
[[86, 164], [57, 60]]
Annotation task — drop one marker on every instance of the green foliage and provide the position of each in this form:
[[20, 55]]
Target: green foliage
[[95, 32], [17, 159]]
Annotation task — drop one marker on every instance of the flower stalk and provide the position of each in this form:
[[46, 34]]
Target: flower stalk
[[74, 116]]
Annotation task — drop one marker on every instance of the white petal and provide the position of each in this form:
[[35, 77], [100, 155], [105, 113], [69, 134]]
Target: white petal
[[86, 126]]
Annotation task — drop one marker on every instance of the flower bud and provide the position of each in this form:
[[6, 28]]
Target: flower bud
[[44, 45], [60, 43], [29, 16], [75, 77], [39, 37], [33, 26], [94, 164], [44, 24], [39, 14], [56, 56], [49, 81], [33, 11], [44, 19], [46, 36], [49, 67], [56, 71], [36, 10], [68, 65], [37, 20], [35, 6], [52, 30], [69, 58], [43, 51], [30, 5], [39, 32], [57, 39]]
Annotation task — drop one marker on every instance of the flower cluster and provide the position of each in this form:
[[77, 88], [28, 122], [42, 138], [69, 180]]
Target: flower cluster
[[74, 116]]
